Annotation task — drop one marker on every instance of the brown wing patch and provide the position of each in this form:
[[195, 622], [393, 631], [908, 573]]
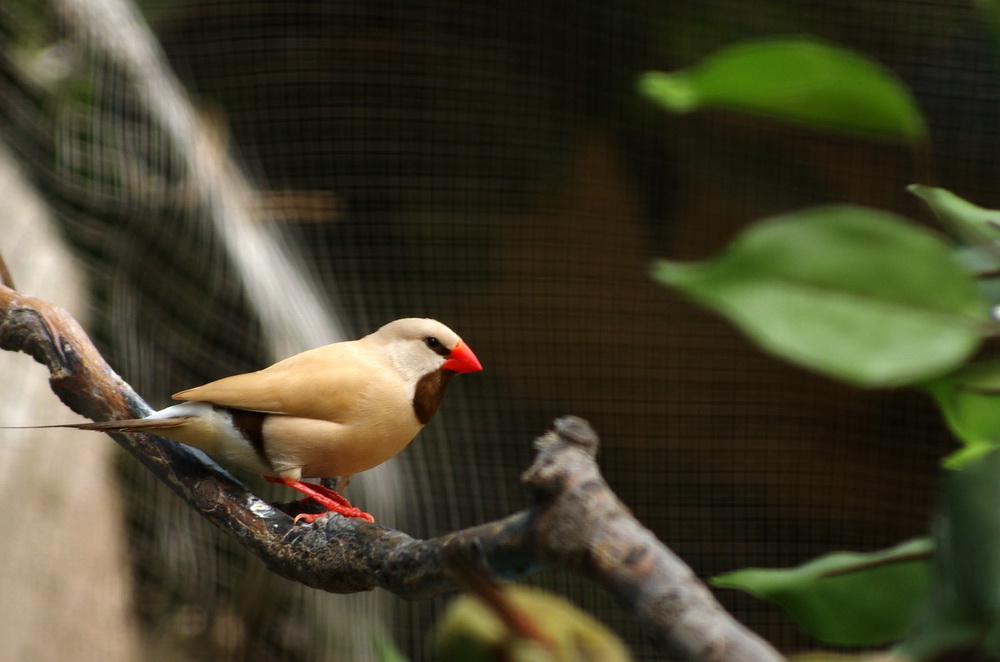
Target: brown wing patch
[[251, 427]]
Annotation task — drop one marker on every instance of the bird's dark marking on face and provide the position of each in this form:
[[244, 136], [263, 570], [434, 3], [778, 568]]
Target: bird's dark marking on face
[[429, 393], [251, 425], [437, 346]]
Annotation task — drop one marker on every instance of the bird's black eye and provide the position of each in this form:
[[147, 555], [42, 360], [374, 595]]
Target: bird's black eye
[[436, 346]]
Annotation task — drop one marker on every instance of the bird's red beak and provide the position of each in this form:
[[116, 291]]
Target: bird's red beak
[[461, 359]]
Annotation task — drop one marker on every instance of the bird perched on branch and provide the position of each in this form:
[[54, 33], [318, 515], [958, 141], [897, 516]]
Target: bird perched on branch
[[331, 411]]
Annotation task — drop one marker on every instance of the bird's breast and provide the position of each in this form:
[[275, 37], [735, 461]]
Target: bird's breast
[[321, 449]]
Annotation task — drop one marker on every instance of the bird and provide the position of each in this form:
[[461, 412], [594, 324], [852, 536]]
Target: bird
[[332, 411]]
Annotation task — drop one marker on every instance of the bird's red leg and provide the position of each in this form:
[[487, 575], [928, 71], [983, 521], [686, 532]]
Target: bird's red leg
[[324, 496]]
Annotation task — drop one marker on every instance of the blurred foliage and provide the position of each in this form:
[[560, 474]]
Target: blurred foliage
[[795, 79], [968, 399], [857, 294], [963, 609], [846, 598], [472, 631], [869, 298]]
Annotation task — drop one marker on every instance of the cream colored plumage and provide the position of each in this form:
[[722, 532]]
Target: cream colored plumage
[[331, 411]]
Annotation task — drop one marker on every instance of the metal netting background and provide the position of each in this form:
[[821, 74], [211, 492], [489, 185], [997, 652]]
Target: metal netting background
[[491, 165]]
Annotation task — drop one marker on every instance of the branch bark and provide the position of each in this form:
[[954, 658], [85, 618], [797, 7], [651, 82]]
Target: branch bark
[[575, 519]]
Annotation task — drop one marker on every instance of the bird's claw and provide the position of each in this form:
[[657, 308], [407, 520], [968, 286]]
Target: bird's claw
[[325, 497], [357, 513]]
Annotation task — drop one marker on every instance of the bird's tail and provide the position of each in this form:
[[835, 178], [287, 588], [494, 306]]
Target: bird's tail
[[127, 425]]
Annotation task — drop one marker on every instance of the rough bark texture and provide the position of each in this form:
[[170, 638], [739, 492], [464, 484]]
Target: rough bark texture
[[575, 520]]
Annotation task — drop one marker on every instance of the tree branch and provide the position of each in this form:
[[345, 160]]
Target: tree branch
[[575, 520]]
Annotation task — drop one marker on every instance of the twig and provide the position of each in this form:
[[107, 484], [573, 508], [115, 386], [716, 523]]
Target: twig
[[478, 582], [575, 520]]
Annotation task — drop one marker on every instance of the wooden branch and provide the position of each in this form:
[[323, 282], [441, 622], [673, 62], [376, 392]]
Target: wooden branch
[[575, 520]]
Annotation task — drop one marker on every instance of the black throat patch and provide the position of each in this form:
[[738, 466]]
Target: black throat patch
[[429, 393], [250, 424]]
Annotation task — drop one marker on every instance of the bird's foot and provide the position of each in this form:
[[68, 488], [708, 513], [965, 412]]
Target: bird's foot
[[309, 518], [325, 497]]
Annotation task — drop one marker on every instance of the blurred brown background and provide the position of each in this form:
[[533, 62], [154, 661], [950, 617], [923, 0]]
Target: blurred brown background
[[491, 165]]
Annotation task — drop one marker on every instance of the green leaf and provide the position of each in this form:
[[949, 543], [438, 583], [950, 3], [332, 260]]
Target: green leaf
[[991, 9], [796, 79], [969, 223], [963, 608], [846, 598], [857, 294], [976, 229], [385, 650], [969, 398]]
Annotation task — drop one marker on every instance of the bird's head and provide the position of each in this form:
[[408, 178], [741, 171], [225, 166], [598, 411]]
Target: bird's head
[[418, 346]]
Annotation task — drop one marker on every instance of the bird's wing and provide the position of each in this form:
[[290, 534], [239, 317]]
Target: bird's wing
[[327, 383]]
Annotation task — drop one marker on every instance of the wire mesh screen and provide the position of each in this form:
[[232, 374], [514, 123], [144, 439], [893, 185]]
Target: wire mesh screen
[[319, 168]]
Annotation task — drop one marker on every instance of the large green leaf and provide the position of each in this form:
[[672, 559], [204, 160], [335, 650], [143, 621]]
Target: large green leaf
[[799, 79], [857, 294], [963, 608], [845, 598]]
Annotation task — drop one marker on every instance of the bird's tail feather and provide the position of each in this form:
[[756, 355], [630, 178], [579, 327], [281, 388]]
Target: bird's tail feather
[[128, 425]]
